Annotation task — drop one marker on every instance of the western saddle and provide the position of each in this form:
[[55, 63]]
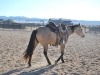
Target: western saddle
[[52, 26]]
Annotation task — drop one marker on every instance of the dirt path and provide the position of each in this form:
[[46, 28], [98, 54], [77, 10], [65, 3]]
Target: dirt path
[[82, 55]]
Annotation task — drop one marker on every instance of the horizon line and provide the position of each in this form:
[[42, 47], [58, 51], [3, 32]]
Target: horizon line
[[49, 18]]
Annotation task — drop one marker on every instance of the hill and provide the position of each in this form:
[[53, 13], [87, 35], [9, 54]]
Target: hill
[[23, 19]]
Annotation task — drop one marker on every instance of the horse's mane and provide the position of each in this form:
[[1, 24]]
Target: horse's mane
[[74, 26]]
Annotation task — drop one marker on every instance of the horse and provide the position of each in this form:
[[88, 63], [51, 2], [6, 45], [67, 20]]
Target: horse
[[45, 36]]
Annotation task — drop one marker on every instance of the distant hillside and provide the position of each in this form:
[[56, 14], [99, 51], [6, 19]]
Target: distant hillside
[[18, 18], [22, 18]]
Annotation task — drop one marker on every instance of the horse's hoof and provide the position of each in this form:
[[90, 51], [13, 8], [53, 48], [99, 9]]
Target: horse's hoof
[[49, 63], [63, 61], [29, 65]]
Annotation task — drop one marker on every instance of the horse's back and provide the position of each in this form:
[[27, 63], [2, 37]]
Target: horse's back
[[43, 32]]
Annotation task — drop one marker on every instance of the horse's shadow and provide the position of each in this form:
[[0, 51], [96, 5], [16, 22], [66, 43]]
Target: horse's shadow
[[12, 71], [37, 71]]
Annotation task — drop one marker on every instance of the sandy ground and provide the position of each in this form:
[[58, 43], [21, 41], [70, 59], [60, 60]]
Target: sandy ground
[[82, 55]]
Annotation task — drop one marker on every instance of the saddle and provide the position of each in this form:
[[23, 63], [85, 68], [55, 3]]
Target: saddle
[[52, 26]]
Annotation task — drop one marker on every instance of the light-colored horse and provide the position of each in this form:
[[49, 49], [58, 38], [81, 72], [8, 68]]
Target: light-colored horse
[[45, 36]]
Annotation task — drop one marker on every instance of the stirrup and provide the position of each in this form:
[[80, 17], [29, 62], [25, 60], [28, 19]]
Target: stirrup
[[63, 41]]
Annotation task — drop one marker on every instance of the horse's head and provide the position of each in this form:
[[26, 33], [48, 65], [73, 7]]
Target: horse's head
[[78, 30]]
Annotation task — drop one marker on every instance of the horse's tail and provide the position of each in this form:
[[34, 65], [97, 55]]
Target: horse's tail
[[30, 47]]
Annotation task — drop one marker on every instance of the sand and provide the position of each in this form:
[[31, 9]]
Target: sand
[[81, 55]]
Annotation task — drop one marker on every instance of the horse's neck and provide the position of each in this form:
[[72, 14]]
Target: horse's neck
[[69, 30]]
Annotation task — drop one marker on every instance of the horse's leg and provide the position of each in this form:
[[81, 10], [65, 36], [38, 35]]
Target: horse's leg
[[30, 57], [62, 58], [62, 53], [45, 54]]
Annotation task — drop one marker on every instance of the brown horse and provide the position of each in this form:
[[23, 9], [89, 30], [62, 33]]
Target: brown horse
[[46, 36]]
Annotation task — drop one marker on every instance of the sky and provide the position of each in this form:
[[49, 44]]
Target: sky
[[69, 9]]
